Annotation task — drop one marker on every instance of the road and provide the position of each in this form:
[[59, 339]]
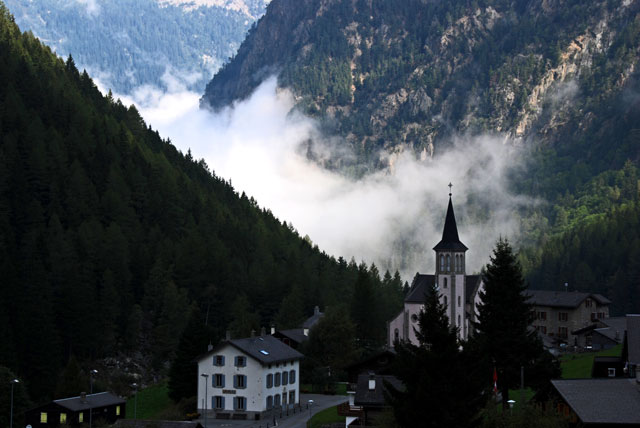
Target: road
[[298, 420]]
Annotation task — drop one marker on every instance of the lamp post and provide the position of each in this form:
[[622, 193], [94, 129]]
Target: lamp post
[[511, 403], [91, 374], [13, 382], [135, 401], [206, 382], [310, 404]]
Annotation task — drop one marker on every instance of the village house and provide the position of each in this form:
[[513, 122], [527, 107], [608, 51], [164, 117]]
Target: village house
[[249, 378], [562, 315], [459, 292], [295, 336], [74, 411]]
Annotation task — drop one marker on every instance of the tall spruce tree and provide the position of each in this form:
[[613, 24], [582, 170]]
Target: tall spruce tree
[[503, 337], [440, 385]]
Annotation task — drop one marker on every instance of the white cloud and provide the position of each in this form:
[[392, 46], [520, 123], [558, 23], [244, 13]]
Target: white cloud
[[93, 7], [390, 218]]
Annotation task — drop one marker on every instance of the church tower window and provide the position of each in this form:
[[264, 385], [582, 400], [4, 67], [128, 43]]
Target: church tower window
[[448, 263], [445, 284], [441, 262]]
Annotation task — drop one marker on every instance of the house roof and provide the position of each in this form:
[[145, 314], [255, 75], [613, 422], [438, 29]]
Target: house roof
[[295, 334], [266, 349], [101, 399], [450, 239], [563, 299], [604, 401], [313, 319], [366, 397], [472, 284], [419, 287], [633, 338]]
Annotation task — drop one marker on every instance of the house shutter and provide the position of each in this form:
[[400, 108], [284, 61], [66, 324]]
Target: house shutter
[[222, 360], [235, 403], [235, 361], [222, 381], [235, 381], [213, 402]]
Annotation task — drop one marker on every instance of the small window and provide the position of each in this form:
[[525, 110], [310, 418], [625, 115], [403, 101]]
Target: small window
[[292, 396], [43, 417], [240, 403], [458, 320], [240, 381], [448, 263], [285, 378], [63, 417], [276, 400], [269, 380], [80, 417], [277, 379], [611, 372], [445, 300], [218, 380], [117, 410], [217, 402], [269, 402], [459, 301], [396, 335], [441, 263], [414, 318], [563, 316], [218, 360], [445, 283], [292, 376], [241, 361]]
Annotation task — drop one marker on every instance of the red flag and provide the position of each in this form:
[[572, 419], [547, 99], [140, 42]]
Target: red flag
[[495, 381]]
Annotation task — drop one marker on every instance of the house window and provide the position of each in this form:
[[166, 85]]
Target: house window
[[241, 361], [562, 332], [269, 402], [117, 410], [292, 376], [217, 380], [292, 397], [217, 402], [588, 303], [43, 417], [218, 360], [269, 380], [414, 318], [240, 381], [277, 380], [543, 329], [63, 418], [396, 335], [276, 400], [285, 378], [542, 315], [594, 316], [563, 316], [240, 403], [284, 398], [611, 372], [80, 418]]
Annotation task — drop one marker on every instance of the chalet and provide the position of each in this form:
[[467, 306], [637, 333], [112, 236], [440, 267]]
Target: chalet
[[74, 411], [459, 292], [294, 337], [599, 402], [248, 378], [368, 402], [603, 334], [559, 314]]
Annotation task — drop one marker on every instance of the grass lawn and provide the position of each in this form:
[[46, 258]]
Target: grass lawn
[[579, 365], [327, 416], [307, 388], [151, 402]]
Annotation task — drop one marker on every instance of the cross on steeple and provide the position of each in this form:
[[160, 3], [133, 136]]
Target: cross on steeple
[[450, 186]]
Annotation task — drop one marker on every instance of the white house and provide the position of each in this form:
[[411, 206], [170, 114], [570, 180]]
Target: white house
[[458, 291], [248, 378]]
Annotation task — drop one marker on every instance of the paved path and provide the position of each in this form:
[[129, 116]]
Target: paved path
[[298, 420]]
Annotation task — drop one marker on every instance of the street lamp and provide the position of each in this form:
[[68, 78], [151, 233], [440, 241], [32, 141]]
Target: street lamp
[[310, 404], [91, 374], [135, 401], [511, 403], [13, 382], [206, 382]]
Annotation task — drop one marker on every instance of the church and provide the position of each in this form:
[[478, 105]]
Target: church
[[459, 292]]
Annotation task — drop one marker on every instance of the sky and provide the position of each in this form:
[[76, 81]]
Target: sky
[[392, 217]]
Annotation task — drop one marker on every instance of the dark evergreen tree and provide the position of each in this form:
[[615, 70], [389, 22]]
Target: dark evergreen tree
[[503, 335], [441, 385]]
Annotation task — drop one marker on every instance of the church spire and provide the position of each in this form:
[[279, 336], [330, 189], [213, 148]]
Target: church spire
[[450, 239]]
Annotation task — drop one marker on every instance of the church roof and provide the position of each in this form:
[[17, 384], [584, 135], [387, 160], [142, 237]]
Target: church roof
[[450, 239], [472, 283], [419, 287]]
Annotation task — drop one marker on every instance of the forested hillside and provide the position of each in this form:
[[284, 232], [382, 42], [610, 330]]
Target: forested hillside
[[131, 43], [110, 237]]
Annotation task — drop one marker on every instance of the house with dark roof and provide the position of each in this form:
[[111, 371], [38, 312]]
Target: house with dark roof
[[249, 378], [74, 411], [458, 291], [599, 402], [562, 315], [295, 336], [368, 401]]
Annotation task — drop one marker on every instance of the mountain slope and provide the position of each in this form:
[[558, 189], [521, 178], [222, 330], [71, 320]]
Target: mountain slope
[[129, 43], [109, 235], [395, 76]]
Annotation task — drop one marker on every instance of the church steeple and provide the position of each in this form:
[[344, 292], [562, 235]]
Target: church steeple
[[450, 240]]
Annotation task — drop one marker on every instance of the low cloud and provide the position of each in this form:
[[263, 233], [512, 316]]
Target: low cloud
[[390, 218], [92, 6]]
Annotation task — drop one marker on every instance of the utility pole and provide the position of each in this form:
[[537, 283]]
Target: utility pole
[[206, 381], [91, 374], [13, 382]]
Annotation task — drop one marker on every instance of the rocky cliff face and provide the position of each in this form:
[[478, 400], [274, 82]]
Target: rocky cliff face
[[405, 76]]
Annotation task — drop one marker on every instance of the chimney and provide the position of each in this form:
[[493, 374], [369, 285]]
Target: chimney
[[372, 382], [305, 331], [273, 329], [227, 335], [263, 331], [209, 347], [316, 310], [83, 397]]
